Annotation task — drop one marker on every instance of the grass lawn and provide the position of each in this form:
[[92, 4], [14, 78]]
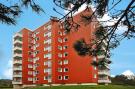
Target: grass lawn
[[87, 87], [6, 88]]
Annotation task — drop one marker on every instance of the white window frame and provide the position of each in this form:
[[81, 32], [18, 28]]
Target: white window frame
[[65, 61]]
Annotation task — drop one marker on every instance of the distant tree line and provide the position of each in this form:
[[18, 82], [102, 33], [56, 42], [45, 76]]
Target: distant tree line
[[122, 80], [5, 83]]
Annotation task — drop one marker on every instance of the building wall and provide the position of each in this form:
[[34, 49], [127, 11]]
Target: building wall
[[26, 57], [80, 69]]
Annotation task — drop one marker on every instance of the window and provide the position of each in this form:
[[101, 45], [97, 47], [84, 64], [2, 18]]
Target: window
[[65, 69], [95, 76], [66, 77], [47, 77], [64, 33], [65, 61], [60, 62], [36, 79], [65, 54], [47, 70], [35, 59], [48, 55], [30, 60], [36, 72], [48, 41], [60, 40], [60, 47], [37, 45], [65, 47], [65, 40], [49, 48], [60, 77], [36, 52], [49, 27], [36, 32], [47, 34], [59, 69], [29, 79], [94, 58], [48, 63], [95, 68], [59, 55], [30, 66], [30, 72], [37, 38], [60, 33]]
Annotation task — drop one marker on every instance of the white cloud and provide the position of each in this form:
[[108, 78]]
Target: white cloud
[[10, 63], [105, 20], [113, 76], [8, 73], [83, 7]]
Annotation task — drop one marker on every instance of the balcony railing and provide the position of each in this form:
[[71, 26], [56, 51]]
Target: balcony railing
[[104, 72], [17, 68], [104, 81], [17, 48], [17, 55], [17, 75], [17, 62], [100, 56], [18, 35], [17, 41], [16, 82]]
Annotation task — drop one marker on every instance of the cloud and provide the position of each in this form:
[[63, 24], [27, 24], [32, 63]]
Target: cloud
[[10, 63], [7, 74], [83, 7], [113, 76]]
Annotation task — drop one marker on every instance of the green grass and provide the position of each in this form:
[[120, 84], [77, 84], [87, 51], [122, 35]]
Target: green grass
[[87, 87], [6, 88]]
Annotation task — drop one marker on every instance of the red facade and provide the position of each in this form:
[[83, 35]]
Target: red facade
[[48, 56]]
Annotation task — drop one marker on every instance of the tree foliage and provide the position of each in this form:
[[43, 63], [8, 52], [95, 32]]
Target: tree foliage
[[104, 33], [122, 80], [8, 14]]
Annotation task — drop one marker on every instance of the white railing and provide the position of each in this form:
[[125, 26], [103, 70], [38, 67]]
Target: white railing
[[17, 62], [16, 82], [104, 81], [18, 34], [103, 72], [49, 80], [17, 41], [17, 68], [17, 75], [100, 56], [17, 48], [19, 55]]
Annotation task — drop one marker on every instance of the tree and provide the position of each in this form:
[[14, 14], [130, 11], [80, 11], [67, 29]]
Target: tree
[[122, 80], [104, 32], [8, 14]]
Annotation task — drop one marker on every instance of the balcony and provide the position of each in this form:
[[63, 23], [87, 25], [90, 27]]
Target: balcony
[[17, 68], [17, 75], [49, 80], [103, 72], [18, 35], [17, 55], [16, 82], [100, 56], [17, 62], [17, 48], [17, 41], [104, 81]]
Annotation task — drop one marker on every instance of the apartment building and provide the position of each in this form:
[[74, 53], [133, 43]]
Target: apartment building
[[46, 56]]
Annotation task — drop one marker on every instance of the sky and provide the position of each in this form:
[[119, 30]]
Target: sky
[[123, 57]]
